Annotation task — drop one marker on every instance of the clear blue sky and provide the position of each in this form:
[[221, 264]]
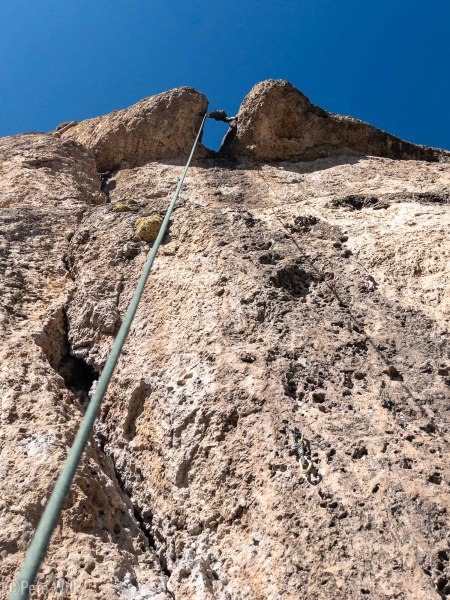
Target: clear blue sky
[[385, 61]]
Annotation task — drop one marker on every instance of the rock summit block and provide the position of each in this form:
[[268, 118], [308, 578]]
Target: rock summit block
[[277, 122], [161, 126]]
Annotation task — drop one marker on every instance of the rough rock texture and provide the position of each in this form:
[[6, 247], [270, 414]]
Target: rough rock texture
[[161, 126], [47, 185], [277, 122], [300, 294]]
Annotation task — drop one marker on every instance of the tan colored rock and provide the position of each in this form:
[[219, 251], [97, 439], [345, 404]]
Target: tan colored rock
[[32, 159], [282, 298], [147, 228], [277, 122], [311, 294], [161, 126], [99, 549]]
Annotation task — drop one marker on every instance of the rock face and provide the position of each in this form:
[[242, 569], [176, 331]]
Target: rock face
[[162, 126], [277, 122], [303, 294], [47, 187]]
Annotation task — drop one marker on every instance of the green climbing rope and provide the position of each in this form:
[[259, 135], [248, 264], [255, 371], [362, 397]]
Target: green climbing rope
[[38, 547]]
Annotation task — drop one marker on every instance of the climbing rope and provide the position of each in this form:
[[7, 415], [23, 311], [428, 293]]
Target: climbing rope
[[38, 547]]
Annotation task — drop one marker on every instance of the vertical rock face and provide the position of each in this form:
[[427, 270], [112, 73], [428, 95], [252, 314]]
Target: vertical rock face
[[277, 122], [304, 294], [162, 126], [47, 186]]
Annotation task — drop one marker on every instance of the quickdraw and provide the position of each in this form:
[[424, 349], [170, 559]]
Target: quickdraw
[[300, 448]]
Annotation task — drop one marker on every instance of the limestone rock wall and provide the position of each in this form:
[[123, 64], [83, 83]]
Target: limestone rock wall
[[309, 294]]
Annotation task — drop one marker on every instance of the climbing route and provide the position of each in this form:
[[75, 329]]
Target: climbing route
[[36, 552]]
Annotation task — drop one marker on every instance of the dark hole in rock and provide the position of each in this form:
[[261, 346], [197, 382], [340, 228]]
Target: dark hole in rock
[[107, 183], [54, 340], [318, 397], [435, 478], [290, 383], [359, 452], [303, 223], [432, 197], [247, 357], [270, 258], [294, 279], [429, 428], [249, 220], [78, 375], [330, 454], [393, 373], [442, 584], [356, 202]]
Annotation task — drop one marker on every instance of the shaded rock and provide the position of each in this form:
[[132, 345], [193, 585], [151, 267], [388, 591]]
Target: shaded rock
[[161, 126], [64, 127], [277, 122]]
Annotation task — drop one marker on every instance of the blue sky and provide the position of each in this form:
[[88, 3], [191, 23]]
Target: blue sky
[[385, 61]]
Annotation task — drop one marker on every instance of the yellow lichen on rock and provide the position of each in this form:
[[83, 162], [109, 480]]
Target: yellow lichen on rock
[[121, 207], [147, 228]]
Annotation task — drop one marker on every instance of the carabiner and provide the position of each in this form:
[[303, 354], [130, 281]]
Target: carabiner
[[304, 471]]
